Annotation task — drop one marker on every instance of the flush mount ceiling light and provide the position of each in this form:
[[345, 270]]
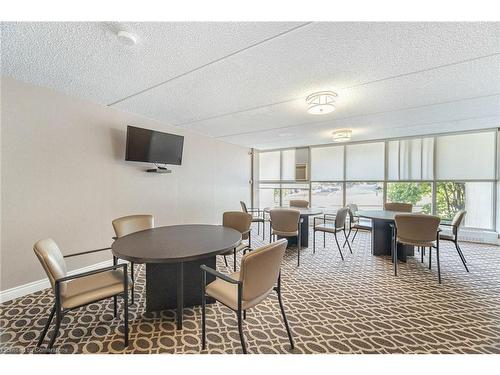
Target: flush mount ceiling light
[[342, 135], [126, 38], [321, 103]]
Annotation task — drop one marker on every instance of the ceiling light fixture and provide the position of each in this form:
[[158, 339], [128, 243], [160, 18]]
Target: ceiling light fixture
[[126, 38], [342, 135], [321, 103]]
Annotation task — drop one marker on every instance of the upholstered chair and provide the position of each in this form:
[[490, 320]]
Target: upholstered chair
[[257, 217], [416, 230], [398, 207], [242, 222], [356, 224], [332, 224], [286, 223], [259, 275], [453, 236], [131, 224], [71, 292], [299, 203]]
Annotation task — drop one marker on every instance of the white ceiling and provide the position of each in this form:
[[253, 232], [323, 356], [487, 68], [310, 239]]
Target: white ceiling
[[246, 83]]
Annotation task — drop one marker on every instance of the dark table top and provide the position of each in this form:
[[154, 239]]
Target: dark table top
[[378, 214], [176, 243], [311, 211]]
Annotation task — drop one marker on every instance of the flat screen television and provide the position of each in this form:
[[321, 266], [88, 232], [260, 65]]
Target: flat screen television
[[153, 146]]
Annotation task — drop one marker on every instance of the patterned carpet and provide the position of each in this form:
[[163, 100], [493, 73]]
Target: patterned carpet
[[355, 306]]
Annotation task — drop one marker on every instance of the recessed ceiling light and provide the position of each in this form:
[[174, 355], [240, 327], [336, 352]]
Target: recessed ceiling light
[[126, 38], [321, 103], [342, 135]]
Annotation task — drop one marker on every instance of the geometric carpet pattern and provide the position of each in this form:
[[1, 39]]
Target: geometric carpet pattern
[[333, 306]]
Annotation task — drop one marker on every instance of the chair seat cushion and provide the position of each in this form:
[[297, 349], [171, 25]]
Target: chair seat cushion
[[327, 228], [92, 288], [362, 226], [285, 234], [227, 293], [257, 220], [407, 241], [447, 236]]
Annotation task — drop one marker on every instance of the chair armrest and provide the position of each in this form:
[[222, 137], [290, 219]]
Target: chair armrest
[[221, 276], [114, 238], [86, 252], [93, 272], [324, 219], [247, 231], [446, 224], [258, 210]]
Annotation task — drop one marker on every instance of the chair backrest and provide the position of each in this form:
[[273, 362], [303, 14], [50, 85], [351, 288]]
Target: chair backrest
[[457, 220], [133, 223], [417, 227], [353, 207], [260, 269], [285, 219], [243, 206], [299, 203], [398, 207], [340, 217], [241, 221], [52, 260]]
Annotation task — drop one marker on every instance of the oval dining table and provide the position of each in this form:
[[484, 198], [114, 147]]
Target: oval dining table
[[304, 225], [382, 233], [173, 256]]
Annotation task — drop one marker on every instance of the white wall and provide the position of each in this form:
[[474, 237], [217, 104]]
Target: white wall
[[64, 176]]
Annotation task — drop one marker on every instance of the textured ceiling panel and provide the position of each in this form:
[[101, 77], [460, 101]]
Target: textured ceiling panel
[[246, 82]]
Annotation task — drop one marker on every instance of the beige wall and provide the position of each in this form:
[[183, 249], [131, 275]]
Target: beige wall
[[64, 176]]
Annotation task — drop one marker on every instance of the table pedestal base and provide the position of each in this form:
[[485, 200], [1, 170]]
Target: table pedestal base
[[161, 284], [382, 238]]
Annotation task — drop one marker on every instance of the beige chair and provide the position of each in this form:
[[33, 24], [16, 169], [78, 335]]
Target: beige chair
[[241, 222], [356, 224], [332, 224], [299, 203], [416, 230], [71, 292], [259, 275], [131, 224], [398, 207], [286, 223], [453, 237], [256, 219]]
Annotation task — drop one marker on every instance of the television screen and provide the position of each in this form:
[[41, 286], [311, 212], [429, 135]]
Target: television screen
[[154, 147]]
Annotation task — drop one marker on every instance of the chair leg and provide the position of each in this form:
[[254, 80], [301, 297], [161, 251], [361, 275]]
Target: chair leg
[[430, 257], [422, 255], [324, 239], [461, 252], [133, 281], [278, 291], [46, 328], [353, 237], [56, 328], [348, 234], [225, 261], [299, 246], [240, 330], [115, 308], [314, 241], [438, 264], [395, 256], [338, 246], [347, 241], [244, 314], [462, 258], [203, 313], [234, 260], [263, 230], [258, 227], [125, 322]]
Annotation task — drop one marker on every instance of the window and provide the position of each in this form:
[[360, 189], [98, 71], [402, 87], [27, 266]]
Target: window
[[269, 195], [327, 163], [294, 191], [419, 194], [410, 159], [288, 165], [365, 161], [327, 195], [466, 156], [367, 195], [269, 166], [475, 197]]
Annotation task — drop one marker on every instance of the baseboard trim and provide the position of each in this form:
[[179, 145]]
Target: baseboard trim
[[35, 286]]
